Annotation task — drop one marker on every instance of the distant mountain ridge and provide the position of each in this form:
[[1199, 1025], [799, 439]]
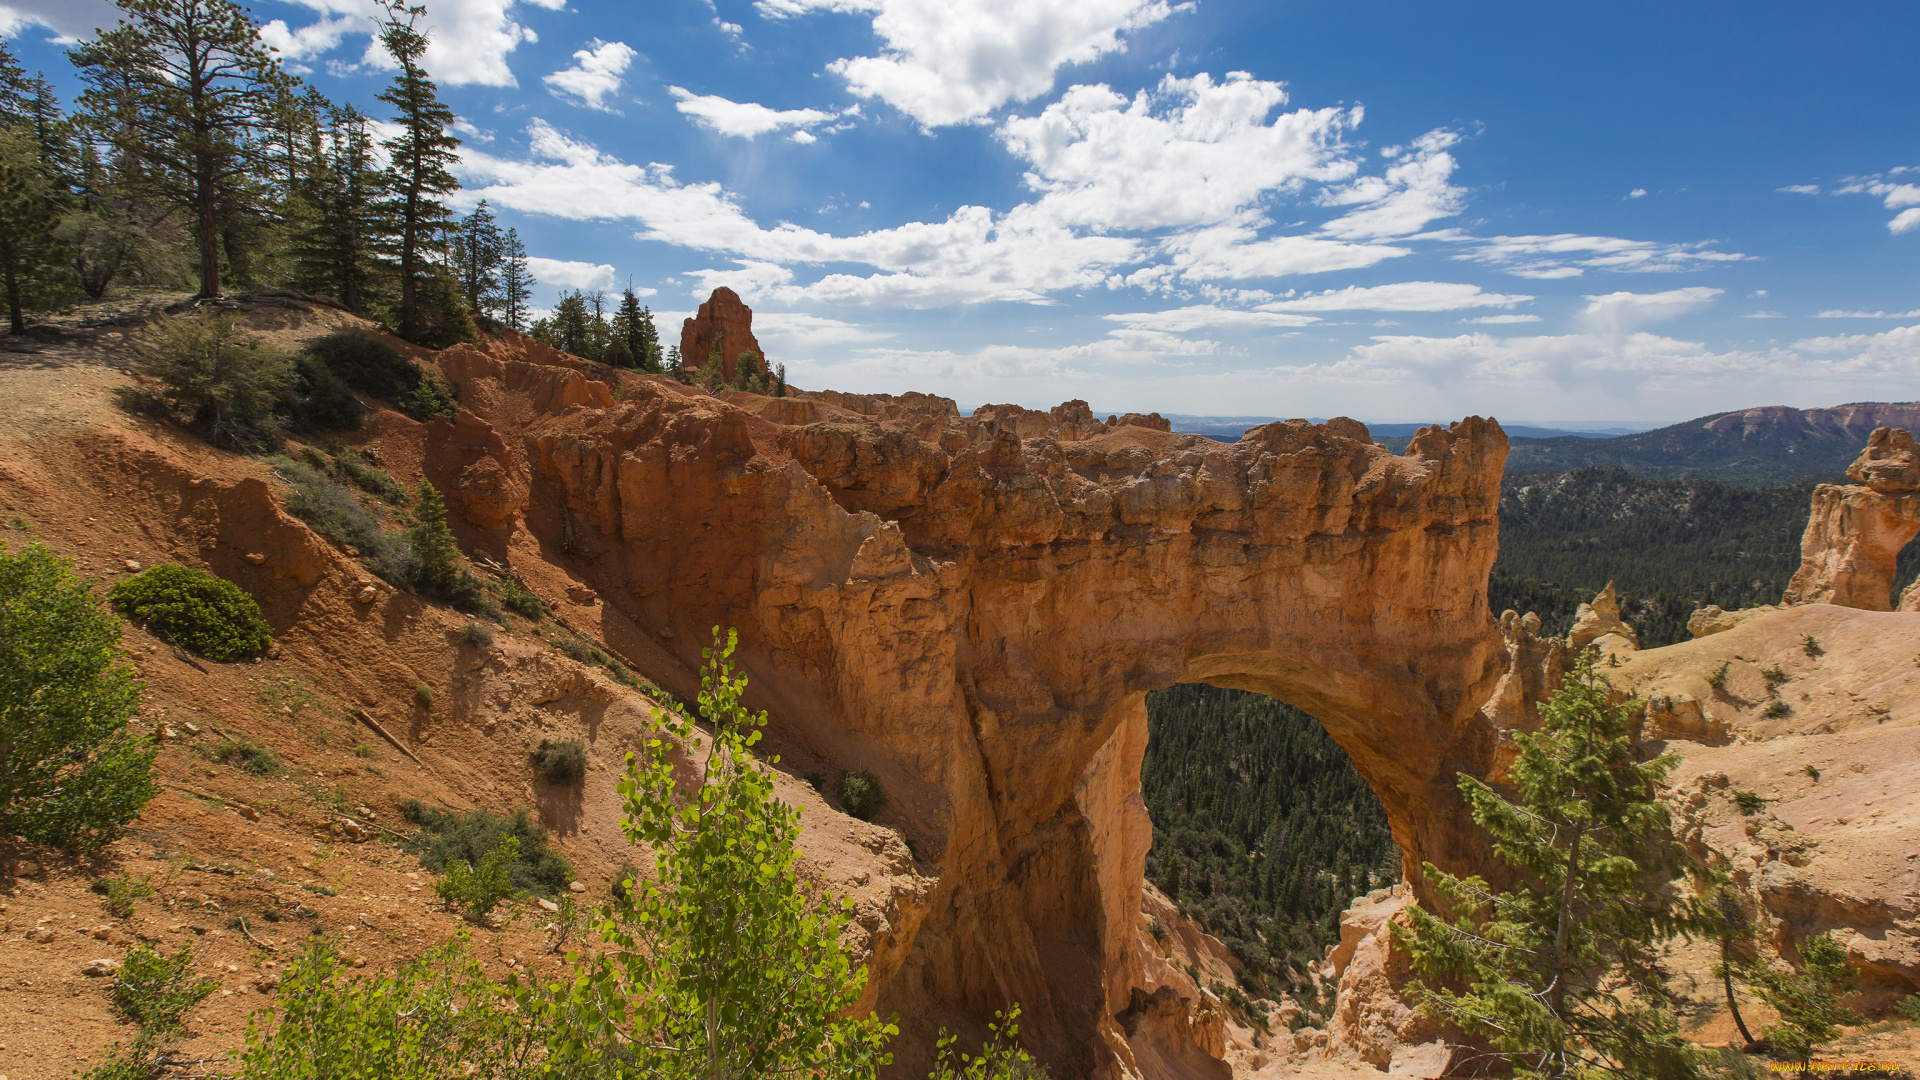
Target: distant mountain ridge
[[1773, 444]]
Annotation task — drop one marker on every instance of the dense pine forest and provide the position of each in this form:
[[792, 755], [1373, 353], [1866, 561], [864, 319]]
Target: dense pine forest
[[1262, 830]]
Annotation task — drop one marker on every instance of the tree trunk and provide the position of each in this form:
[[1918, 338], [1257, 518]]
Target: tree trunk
[[1733, 1005]]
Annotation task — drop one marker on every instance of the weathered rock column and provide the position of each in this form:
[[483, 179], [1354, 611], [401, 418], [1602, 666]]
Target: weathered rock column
[[1850, 551]]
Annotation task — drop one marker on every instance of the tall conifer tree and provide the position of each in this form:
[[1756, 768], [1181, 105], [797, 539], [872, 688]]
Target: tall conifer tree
[[185, 90], [479, 248], [516, 281], [422, 157], [347, 238]]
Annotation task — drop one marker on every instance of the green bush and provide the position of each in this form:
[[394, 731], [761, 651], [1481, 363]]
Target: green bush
[[318, 398], [1776, 709], [1000, 1056], [477, 635], [72, 773], [423, 696], [432, 398], [563, 762], [245, 754], [369, 478], [477, 889], [195, 610], [1749, 802], [861, 794], [225, 383], [341, 517], [156, 990], [446, 837], [1908, 1008], [521, 600], [123, 891], [365, 363]]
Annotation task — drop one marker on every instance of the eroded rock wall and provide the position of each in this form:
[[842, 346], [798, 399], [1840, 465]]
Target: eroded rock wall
[[1849, 552], [973, 609]]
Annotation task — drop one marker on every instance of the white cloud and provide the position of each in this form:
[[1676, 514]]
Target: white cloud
[[1625, 312], [1490, 320], [1189, 152], [1763, 315], [468, 40], [1564, 255], [70, 20], [954, 61], [1182, 320], [804, 138], [595, 75], [566, 274], [1800, 189], [1403, 296], [742, 119], [1413, 193], [1914, 314], [1235, 252], [787, 334], [1637, 193], [309, 41], [1893, 196]]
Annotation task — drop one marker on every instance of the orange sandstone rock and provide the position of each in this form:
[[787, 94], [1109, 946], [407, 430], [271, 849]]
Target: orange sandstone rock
[[725, 317], [1856, 531]]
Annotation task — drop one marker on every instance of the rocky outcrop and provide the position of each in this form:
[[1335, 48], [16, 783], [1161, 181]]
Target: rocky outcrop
[[1371, 1019], [1713, 619], [972, 609], [723, 318], [1856, 531], [1598, 623]]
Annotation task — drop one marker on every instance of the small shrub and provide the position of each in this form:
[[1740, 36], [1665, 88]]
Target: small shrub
[[1776, 709], [223, 381], [1810, 770], [1000, 1057], [317, 398], [1810, 645], [155, 990], [563, 762], [362, 750], [74, 773], [371, 479], [445, 837], [1717, 678], [1908, 1008], [423, 696], [245, 754], [365, 363], [341, 517], [861, 795], [1750, 803], [1808, 1000], [476, 635], [520, 600], [1774, 677], [196, 610], [319, 890], [477, 890], [122, 891], [430, 399]]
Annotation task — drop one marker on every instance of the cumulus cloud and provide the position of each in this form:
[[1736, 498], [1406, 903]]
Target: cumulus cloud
[[1624, 312], [1182, 320], [1893, 194], [744, 119], [1800, 189], [1411, 194], [468, 40], [1564, 255], [1403, 296], [1637, 193], [953, 61], [1491, 320], [70, 20], [595, 75], [311, 40], [566, 274]]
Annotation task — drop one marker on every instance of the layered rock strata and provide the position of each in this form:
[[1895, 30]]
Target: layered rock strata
[[974, 609], [1849, 552], [723, 318]]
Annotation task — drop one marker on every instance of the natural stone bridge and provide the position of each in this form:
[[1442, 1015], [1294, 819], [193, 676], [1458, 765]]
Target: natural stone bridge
[[975, 608]]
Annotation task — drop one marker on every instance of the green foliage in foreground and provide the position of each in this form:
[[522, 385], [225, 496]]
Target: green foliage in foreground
[[1262, 830], [1000, 1058], [195, 610], [1561, 971], [155, 990], [476, 889], [71, 771], [726, 955], [437, 1017]]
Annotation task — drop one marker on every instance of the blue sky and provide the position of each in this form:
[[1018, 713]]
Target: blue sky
[[1391, 210]]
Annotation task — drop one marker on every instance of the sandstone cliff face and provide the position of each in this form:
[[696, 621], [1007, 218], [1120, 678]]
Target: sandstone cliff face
[[729, 320], [973, 610], [1856, 532]]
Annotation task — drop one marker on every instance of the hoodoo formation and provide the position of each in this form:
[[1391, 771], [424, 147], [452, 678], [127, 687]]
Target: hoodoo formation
[[1856, 531], [723, 318]]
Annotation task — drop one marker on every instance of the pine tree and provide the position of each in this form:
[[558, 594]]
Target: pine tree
[[345, 243], [1807, 1000], [479, 251], [32, 259], [599, 333], [780, 380], [186, 91], [422, 155], [516, 281], [1561, 971], [572, 325], [438, 557], [676, 364]]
